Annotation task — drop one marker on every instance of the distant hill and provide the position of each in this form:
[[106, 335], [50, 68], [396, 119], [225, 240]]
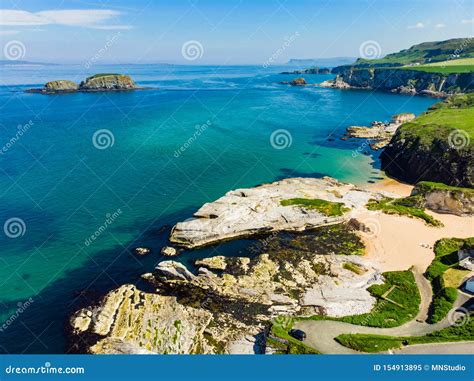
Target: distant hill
[[424, 53], [321, 62]]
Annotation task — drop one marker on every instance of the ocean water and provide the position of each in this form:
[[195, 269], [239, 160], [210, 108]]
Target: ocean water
[[124, 167]]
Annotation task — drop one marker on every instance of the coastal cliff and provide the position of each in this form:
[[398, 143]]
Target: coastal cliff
[[436, 146], [403, 81]]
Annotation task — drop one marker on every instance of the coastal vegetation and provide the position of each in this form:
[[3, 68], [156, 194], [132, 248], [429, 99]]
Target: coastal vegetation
[[285, 344], [397, 302], [444, 135], [464, 331], [446, 258], [406, 206], [457, 66], [424, 53], [328, 208]]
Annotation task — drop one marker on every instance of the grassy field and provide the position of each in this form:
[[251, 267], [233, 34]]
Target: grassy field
[[378, 343], [404, 207], [462, 65], [450, 116], [446, 258], [328, 208]]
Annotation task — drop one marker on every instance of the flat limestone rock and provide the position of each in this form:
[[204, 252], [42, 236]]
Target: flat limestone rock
[[246, 212], [131, 321]]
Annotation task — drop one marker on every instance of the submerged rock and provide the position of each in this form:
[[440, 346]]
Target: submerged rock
[[141, 251]]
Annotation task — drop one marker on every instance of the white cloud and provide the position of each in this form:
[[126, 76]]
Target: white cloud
[[418, 25], [440, 25], [91, 18], [468, 21]]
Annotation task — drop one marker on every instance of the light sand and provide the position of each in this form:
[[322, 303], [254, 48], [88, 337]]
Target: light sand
[[392, 186], [398, 242]]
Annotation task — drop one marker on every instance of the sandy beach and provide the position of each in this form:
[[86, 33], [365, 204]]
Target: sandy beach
[[399, 242]]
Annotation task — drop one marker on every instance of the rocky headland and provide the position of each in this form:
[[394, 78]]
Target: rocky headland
[[380, 133], [436, 146], [95, 83], [403, 81]]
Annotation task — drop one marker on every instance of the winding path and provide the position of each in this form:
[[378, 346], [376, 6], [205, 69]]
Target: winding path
[[321, 333]]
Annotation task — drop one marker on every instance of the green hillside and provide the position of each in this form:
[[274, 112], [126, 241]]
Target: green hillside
[[425, 52]]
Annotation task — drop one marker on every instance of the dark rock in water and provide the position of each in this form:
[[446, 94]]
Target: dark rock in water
[[371, 181], [296, 82], [141, 251]]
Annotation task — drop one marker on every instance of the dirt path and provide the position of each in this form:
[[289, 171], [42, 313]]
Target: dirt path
[[321, 334]]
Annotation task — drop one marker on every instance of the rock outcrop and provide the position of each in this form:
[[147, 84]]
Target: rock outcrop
[[60, 86], [403, 81], [379, 133], [107, 82], [436, 146], [98, 82], [296, 82], [247, 212], [445, 199], [228, 305]]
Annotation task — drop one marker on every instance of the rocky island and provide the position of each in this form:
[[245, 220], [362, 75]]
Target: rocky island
[[95, 83]]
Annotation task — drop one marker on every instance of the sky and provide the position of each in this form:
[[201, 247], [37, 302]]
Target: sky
[[225, 31]]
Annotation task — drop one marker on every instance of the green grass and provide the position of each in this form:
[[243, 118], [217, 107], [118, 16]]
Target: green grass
[[446, 258], [328, 208], [103, 75], [386, 314], [435, 126], [292, 346], [377, 343], [407, 206], [355, 268], [424, 53], [463, 65], [426, 186]]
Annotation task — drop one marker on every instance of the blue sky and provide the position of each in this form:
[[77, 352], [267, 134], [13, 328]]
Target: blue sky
[[224, 32]]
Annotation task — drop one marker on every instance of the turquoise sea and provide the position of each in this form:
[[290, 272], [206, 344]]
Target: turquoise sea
[[124, 167]]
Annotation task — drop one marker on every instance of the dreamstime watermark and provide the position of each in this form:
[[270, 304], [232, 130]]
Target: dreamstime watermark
[[14, 50], [110, 218], [14, 227], [281, 139], [370, 50], [44, 369], [22, 307], [287, 41], [199, 129], [103, 139], [99, 54], [262, 244], [192, 50], [458, 139], [370, 227], [21, 130], [285, 322], [361, 148]]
